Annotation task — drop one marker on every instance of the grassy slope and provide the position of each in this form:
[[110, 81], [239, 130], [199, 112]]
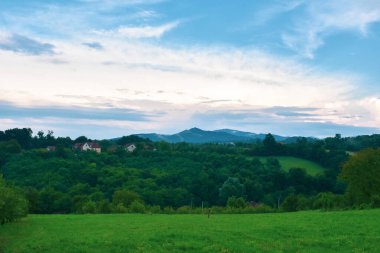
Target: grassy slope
[[288, 162], [351, 231]]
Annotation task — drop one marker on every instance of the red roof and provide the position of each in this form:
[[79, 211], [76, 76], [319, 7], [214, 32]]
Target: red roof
[[93, 145], [90, 144]]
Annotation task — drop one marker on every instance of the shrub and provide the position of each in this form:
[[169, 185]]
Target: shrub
[[124, 197], [137, 207], [104, 206], [260, 208], [120, 208], [184, 210], [329, 201], [155, 209], [290, 203], [216, 209], [89, 207], [234, 202], [324, 200], [168, 210]]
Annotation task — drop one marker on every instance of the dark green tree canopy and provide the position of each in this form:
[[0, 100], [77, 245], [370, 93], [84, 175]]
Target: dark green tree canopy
[[362, 174]]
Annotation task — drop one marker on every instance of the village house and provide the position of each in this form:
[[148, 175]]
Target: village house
[[130, 147], [88, 146]]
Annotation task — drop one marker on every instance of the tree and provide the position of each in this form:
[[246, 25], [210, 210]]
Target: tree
[[23, 136], [32, 195], [13, 205], [81, 139], [231, 187], [131, 139], [362, 175], [269, 141], [270, 146]]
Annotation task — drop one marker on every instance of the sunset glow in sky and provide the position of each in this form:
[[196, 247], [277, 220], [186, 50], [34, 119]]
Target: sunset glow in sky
[[109, 68]]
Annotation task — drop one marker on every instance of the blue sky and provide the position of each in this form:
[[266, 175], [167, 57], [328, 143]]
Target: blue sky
[[113, 67]]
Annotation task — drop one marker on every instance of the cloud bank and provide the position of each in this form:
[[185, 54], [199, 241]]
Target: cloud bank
[[120, 76]]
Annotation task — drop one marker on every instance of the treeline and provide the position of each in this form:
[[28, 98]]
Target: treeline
[[24, 137], [171, 178]]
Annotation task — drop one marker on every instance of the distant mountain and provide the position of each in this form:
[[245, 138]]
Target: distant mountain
[[250, 135], [196, 135]]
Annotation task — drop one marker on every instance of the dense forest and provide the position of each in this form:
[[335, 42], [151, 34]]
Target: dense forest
[[181, 177]]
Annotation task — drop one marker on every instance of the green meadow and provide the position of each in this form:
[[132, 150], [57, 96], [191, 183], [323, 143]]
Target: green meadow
[[314, 231], [288, 162]]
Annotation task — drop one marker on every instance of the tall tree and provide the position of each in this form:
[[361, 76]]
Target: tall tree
[[362, 174], [270, 146]]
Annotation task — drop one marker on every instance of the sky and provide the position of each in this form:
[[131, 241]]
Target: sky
[[117, 67]]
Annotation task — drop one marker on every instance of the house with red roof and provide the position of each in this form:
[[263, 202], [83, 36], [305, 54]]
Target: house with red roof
[[88, 146]]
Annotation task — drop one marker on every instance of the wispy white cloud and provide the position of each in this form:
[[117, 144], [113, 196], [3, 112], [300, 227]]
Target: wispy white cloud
[[123, 2], [70, 21], [139, 32], [324, 18], [280, 7]]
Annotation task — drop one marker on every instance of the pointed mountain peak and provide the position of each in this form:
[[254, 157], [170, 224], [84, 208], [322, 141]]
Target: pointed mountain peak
[[196, 129]]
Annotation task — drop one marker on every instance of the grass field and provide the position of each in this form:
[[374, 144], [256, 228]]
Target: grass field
[[288, 162], [350, 231]]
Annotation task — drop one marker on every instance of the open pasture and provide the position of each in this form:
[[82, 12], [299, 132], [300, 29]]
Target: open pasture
[[349, 231], [288, 162]]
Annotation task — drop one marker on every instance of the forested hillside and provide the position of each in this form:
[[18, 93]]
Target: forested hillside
[[159, 175]]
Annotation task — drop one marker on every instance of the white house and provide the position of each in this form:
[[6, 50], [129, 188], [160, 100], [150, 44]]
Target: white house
[[92, 146], [130, 147]]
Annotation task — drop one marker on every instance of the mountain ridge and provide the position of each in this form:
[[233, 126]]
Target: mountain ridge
[[197, 135]]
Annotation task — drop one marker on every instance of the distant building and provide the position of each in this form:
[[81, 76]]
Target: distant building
[[130, 147], [88, 146], [51, 148], [93, 146]]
